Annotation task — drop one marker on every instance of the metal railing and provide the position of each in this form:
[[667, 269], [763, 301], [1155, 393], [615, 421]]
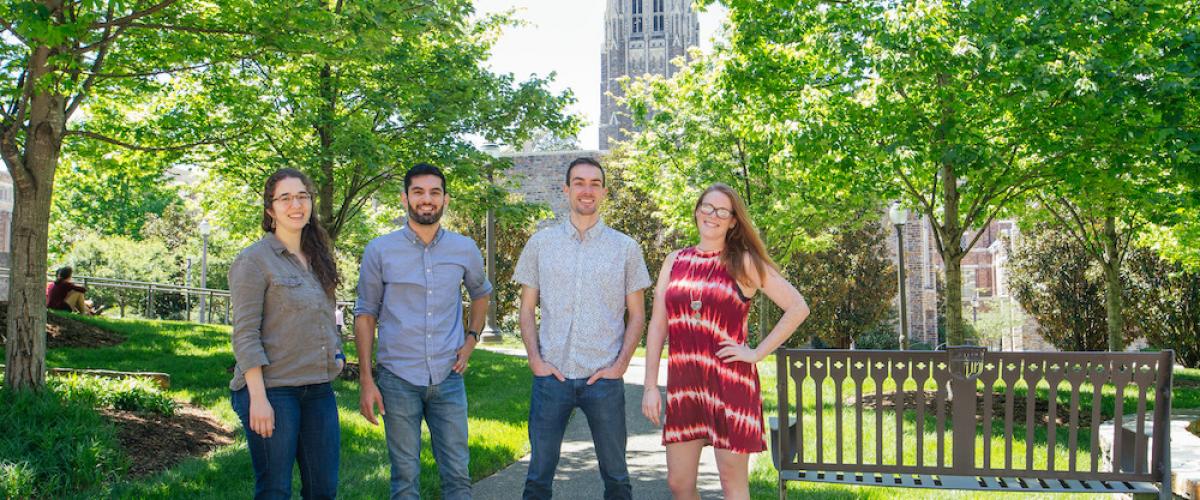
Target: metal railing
[[217, 302]]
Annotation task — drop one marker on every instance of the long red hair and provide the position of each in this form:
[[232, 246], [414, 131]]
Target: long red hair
[[741, 240]]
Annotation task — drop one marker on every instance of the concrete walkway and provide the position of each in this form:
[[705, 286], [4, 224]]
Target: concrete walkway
[[578, 475]]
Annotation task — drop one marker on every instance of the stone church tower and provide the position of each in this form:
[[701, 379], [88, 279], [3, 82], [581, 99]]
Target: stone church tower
[[640, 36]]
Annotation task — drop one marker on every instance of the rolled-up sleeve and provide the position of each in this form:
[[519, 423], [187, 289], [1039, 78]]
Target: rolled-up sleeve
[[636, 275], [474, 277], [526, 272], [370, 283], [247, 291]]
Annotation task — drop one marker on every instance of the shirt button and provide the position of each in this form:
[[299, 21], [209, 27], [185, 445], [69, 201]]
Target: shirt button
[[428, 270], [429, 314], [431, 292]]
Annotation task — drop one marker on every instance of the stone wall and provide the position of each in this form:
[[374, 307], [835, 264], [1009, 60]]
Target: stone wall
[[539, 177]]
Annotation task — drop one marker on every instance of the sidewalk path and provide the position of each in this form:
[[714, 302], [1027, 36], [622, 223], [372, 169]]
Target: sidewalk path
[[578, 476]]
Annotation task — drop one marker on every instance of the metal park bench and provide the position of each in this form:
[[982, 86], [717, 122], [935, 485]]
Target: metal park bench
[[1011, 396]]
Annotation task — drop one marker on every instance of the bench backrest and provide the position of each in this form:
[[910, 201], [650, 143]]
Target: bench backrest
[[1023, 398]]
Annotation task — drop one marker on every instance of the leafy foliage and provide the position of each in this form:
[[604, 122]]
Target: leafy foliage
[[964, 107], [1168, 305], [515, 222], [130, 394], [854, 283], [1062, 287], [354, 93]]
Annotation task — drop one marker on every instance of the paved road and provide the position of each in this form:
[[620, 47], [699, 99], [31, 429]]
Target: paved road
[[578, 475]]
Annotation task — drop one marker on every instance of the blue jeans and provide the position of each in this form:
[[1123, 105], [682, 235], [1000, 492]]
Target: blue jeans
[[444, 408], [604, 405], [306, 431]]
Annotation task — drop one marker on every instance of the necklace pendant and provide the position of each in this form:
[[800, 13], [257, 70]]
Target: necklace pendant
[[696, 304]]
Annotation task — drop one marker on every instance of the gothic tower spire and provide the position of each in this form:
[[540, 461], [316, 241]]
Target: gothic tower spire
[[640, 37]]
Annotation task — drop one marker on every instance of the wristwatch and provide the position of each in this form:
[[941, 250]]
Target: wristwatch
[[473, 333]]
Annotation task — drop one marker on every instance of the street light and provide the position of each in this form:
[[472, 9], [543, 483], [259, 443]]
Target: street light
[[490, 333], [899, 216], [205, 229]]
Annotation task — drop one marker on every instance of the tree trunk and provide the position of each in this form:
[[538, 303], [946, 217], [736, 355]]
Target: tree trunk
[[1113, 303], [33, 179], [324, 128], [954, 322], [952, 254]]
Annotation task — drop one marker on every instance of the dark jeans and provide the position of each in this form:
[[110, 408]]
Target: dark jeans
[[306, 431], [604, 405]]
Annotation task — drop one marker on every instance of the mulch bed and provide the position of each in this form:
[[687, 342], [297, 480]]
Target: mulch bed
[[67, 332], [155, 442], [1041, 408]]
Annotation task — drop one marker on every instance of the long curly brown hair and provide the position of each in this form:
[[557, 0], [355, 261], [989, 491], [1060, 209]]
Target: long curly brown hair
[[314, 241], [741, 239]]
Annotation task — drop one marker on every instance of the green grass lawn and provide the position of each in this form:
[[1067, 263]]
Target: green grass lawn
[[763, 474], [196, 357]]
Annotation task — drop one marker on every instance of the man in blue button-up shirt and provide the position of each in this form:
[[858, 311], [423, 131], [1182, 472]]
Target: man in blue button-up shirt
[[409, 286]]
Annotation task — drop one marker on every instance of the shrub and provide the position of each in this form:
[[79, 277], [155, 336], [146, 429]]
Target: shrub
[[130, 394], [883, 337]]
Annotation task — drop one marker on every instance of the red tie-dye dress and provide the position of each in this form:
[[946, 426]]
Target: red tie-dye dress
[[707, 398]]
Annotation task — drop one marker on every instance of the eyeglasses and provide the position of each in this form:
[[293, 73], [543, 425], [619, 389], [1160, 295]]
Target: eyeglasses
[[287, 199], [722, 213]]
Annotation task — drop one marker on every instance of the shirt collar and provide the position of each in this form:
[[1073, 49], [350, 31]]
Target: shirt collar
[[276, 245], [412, 236], [591, 234]]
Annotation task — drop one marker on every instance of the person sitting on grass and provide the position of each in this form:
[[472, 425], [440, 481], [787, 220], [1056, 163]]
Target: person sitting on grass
[[65, 295]]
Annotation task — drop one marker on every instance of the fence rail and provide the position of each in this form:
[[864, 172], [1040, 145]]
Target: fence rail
[[216, 301]]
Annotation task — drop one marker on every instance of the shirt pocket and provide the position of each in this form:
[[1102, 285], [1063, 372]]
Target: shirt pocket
[[445, 287], [286, 293]]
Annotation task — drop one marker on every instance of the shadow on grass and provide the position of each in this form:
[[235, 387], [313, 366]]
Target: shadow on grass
[[196, 356]]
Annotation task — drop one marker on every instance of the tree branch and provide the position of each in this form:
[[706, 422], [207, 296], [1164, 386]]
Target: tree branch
[[7, 25], [126, 20], [189, 29], [91, 78], [1081, 236], [136, 147], [150, 73]]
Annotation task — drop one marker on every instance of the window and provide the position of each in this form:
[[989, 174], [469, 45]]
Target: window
[[658, 16], [636, 24]]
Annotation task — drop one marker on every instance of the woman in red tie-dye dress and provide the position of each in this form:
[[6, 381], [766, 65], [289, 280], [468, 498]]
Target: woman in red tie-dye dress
[[701, 304]]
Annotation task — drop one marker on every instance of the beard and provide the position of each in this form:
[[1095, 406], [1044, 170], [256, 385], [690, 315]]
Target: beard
[[425, 219]]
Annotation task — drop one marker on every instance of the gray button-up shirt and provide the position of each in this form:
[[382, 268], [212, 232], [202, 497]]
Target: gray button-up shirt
[[282, 318], [581, 286], [414, 291]]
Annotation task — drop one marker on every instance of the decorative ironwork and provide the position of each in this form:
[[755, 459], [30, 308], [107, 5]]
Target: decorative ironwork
[[1045, 408]]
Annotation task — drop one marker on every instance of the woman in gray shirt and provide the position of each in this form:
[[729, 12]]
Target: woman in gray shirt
[[286, 346]]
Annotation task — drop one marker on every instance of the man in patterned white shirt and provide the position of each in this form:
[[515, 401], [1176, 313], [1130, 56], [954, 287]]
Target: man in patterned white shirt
[[585, 275]]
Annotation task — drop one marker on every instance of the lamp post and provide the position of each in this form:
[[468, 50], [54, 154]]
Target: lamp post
[[205, 229], [490, 333], [899, 216]]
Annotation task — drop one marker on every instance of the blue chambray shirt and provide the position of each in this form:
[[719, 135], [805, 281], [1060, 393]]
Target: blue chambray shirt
[[414, 292]]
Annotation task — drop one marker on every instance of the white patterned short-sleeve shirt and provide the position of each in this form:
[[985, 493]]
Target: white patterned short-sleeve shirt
[[582, 284]]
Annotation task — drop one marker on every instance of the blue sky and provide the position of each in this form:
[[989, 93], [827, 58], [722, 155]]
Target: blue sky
[[565, 36]]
